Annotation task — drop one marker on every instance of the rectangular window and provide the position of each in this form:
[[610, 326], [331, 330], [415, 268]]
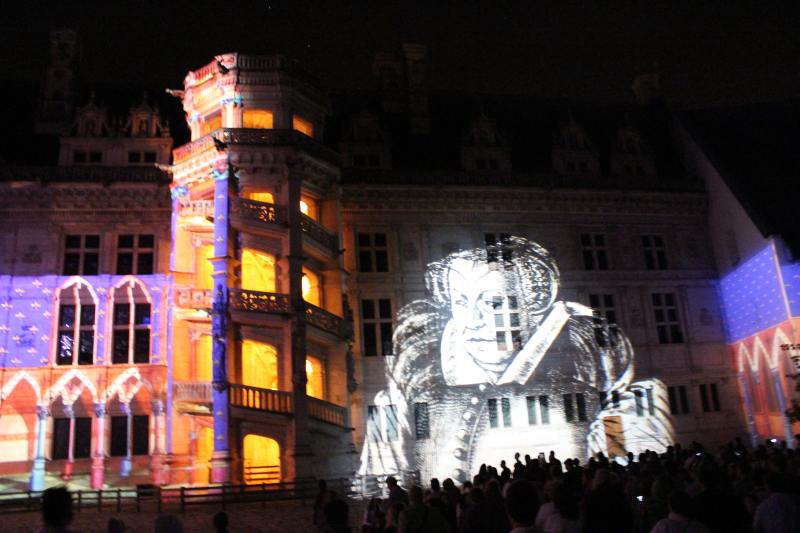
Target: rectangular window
[[668, 325], [135, 254], [79, 157], [492, 407], [506, 323], [131, 340], [75, 335], [531, 404], [141, 434], [505, 404], [639, 398], [95, 157], [605, 318], [373, 424], [422, 428], [655, 252], [544, 409], [392, 432], [580, 402], [595, 254], [376, 326], [81, 255], [134, 157], [498, 246], [678, 400], [149, 157], [82, 438], [302, 125], [569, 409], [615, 398], [574, 404], [502, 419], [602, 399], [119, 436], [373, 252], [651, 404], [709, 397], [140, 440]]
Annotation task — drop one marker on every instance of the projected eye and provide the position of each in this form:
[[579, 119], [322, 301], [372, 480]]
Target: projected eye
[[461, 302]]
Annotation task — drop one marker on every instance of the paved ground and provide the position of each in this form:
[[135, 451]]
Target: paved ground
[[289, 516]]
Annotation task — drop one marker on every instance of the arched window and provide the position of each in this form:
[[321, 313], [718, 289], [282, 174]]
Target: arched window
[[310, 287], [76, 322], [315, 377], [131, 325]]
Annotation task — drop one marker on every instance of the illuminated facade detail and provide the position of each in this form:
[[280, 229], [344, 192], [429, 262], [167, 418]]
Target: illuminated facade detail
[[493, 334]]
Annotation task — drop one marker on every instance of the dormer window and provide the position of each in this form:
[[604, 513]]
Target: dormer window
[[144, 128], [89, 127]]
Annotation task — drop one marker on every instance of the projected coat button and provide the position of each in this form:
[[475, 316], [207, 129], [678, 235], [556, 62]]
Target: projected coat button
[[481, 387], [474, 400], [467, 415]]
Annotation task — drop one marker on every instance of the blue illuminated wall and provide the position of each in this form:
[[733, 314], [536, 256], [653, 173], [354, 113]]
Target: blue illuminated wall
[[753, 297]]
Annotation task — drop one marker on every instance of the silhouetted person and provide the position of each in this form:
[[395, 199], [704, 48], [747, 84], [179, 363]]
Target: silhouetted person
[[522, 504], [168, 523], [420, 518], [56, 509], [221, 522], [396, 492], [605, 508], [779, 512], [336, 514], [115, 525], [679, 518]]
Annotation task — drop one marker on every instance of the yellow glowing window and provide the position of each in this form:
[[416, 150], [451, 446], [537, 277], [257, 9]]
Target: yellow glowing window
[[261, 196], [310, 286], [304, 207], [204, 268], [315, 376], [262, 460], [204, 359], [259, 365], [205, 449], [309, 207], [257, 118], [258, 271], [302, 125], [212, 123]]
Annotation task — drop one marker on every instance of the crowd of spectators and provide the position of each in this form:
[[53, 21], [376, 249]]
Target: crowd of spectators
[[684, 489]]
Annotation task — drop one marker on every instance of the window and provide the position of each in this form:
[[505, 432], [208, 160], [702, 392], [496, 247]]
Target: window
[[532, 414], [302, 125], [212, 123], [655, 253], [506, 323], [493, 164], [376, 319], [645, 402], [709, 397], [595, 255], [76, 320], [149, 157], [392, 432], [131, 325], [422, 428], [639, 398], [544, 409], [666, 315], [373, 255], [603, 399], [373, 424], [505, 408], [135, 254], [95, 157], [571, 402], [82, 435], [678, 400], [79, 156], [315, 377], [134, 157], [605, 318], [140, 424], [257, 118], [81, 255], [498, 245]]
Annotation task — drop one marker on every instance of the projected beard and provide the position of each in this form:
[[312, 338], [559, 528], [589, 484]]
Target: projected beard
[[483, 366]]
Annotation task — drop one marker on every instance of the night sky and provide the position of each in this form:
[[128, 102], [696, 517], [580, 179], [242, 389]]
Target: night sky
[[708, 53]]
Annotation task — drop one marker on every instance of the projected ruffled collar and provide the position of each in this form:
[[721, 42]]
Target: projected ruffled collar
[[460, 368]]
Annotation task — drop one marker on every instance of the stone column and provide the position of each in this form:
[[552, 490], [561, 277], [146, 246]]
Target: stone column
[[747, 396], [127, 462], [157, 457], [66, 475], [99, 458], [221, 458], [302, 453], [778, 386], [38, 470]]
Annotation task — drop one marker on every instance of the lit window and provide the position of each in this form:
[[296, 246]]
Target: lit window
[[135, 254], [315, 377], [655, 252], [212, 123], [261, 196], [308, 206], [304, 207], [668, 325], [259, 365], [595, 255], [204, 268], [76, 321], [302, 125], [373, 255], [376, 318], [258, 271], [131, 323], [310, 286], [257, 118], [81, 255], [203, 367]]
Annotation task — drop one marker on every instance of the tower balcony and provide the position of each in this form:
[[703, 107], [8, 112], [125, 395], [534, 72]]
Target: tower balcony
[[317, 240], [281, 403], [251, 215]]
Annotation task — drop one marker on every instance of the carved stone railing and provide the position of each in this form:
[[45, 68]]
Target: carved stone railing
[[316, 232], [272, 401], [325, 320], [326, 412], [259, 212], [259, 302], [191, 391], [197, 208], [192, 298]]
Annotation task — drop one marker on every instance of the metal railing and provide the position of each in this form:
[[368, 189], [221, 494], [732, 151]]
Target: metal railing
[[327, 412], [197, 208], [193, 298], [316, 232], [192, 391], [174, 499], [260, 212], [325, 320], [273, 401], [259, 302]]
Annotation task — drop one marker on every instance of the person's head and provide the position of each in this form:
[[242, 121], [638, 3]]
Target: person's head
[[115, 525], [415, 494], [336, 513], [503, 463], [391, 482], [168, 523], [522, 503], [57, 507], [777, 482], [221, 521], [435, 484], [680, 503]]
